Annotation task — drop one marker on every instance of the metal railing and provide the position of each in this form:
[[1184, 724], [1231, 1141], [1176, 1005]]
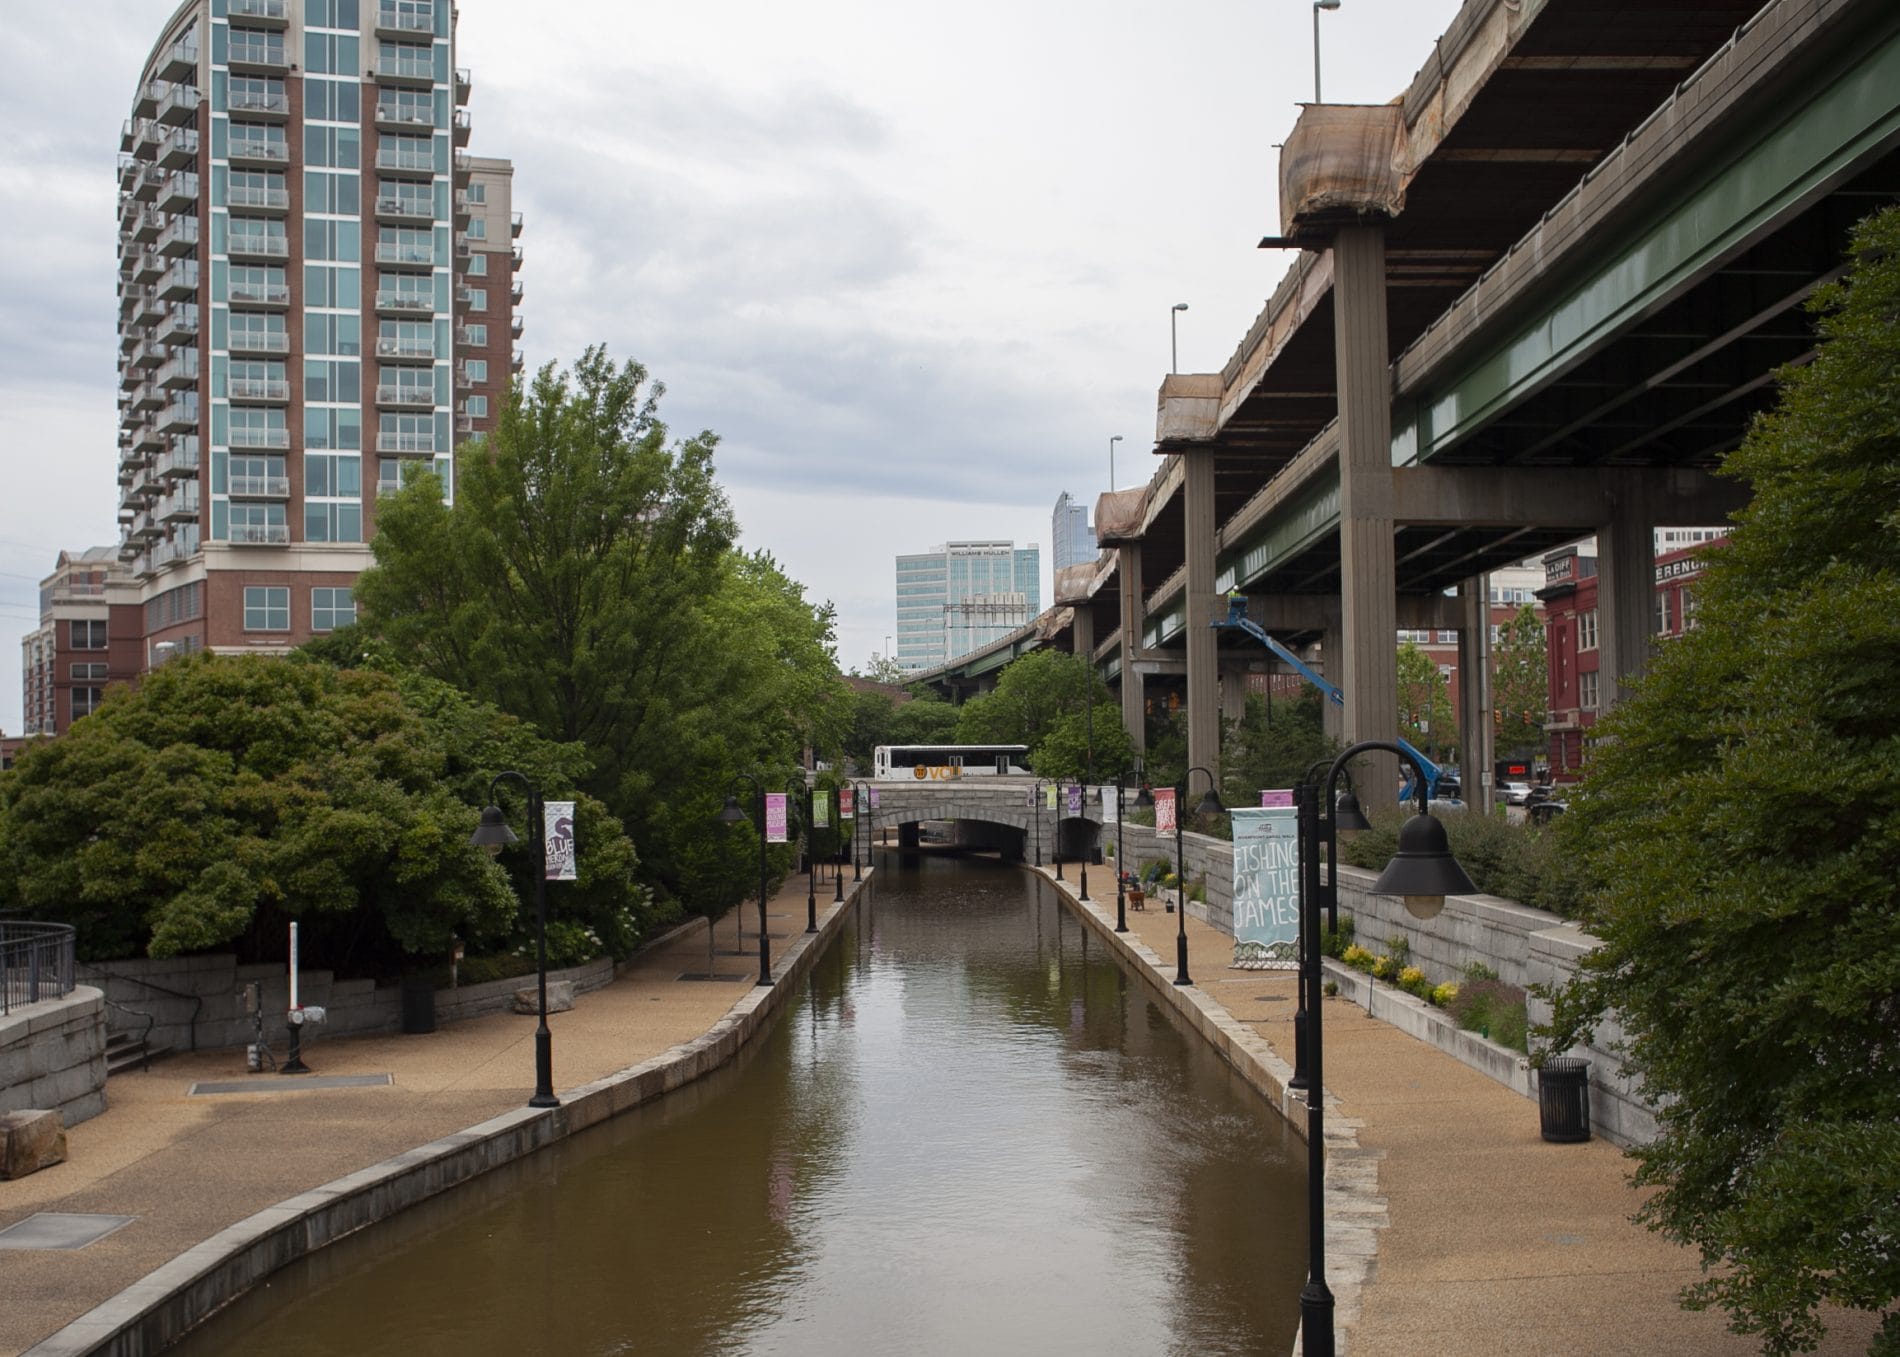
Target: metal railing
[[197, 1000], [36, 962]]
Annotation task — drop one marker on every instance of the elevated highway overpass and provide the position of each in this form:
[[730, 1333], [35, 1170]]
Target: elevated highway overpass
[[1537, 296]]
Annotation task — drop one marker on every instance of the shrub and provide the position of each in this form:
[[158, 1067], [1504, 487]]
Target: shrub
[[1494, 1010], [1443, 995], [1333, 942], [1521, 862]]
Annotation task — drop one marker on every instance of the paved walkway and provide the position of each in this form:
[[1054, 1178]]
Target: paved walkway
[[1489, 1241]]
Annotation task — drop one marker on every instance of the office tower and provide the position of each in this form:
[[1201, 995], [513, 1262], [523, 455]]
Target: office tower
[[317, 299], [960, 596], [1073, 538]]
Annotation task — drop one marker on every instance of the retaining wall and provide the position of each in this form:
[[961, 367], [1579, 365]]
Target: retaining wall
[[53, 1057]]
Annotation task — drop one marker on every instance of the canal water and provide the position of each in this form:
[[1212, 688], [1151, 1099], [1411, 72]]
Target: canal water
[[972, 1132]]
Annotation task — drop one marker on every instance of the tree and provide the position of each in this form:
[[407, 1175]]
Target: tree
[[1270, 747], [1740, 821], [1425, 715], [1520, 687], [884, 669], [227, 795], [922, 720], [1040, 700]]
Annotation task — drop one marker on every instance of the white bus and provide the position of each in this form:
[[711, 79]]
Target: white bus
[[946, 762]]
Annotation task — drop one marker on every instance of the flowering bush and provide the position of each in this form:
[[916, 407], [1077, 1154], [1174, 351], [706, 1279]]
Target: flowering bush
[[1442, 995]]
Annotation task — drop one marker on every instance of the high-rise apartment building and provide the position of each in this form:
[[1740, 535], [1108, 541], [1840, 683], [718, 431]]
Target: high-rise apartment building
[[1071, 537], [317, 298], [960, 596], [90, 635]]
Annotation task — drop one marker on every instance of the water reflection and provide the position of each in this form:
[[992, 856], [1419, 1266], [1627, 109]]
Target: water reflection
[[971, 1133]]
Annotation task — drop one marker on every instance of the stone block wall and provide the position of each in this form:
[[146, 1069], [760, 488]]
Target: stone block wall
[[53, 1057]]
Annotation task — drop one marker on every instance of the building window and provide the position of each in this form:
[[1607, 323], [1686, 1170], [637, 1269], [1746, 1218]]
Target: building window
[[1688, 608], [477, 229], [477, 369], [477, 193], [477, 336], [331, 608], [1662, 613], [476, 407], [86, 701], [477, 266], [332, 522], [1587, 630], [87, 635], [93, 670], [475, 298], [266, 607], [1587, 689]]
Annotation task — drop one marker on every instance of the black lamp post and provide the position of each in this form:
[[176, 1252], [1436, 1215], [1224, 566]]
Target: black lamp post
[[837, 858], [860, 829], [732, 815], [1424, 872], [1210, 805], [1035, 815], [491, 836], [803, 788], [1083, 869], [1121, 860]]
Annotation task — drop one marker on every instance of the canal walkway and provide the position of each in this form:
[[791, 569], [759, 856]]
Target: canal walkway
[[1455, 1227]]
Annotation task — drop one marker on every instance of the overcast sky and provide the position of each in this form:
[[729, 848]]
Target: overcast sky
[[913, 264]]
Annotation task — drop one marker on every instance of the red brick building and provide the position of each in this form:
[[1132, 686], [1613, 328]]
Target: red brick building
[[90, 635]]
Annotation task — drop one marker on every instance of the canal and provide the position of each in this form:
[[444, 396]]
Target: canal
[[972, 1132]]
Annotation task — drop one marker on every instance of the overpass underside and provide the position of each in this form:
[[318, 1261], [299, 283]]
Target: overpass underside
[[1538, 297]]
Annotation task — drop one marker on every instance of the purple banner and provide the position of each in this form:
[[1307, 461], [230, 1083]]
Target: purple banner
[[775, 817], [1072, 794]]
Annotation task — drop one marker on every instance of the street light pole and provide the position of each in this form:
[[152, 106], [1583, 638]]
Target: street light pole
[[1318, 5], [732, 815], [837, 827], [1174, 340], [1121, 860], [1424, 872], [1210, 805], [860, 831], [1113, 440], [490, 836]]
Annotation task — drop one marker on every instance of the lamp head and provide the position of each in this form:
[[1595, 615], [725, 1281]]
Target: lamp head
[[1325, 4], [1348, 818], [731, 814], [1144, 799], [1423, 871], [492, 834], [1210, 804], [1182, 306]]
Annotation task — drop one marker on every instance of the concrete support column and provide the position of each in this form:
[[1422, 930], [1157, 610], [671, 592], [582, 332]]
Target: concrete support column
[[1626, 594], [1368, 672], [1203, 680], [1084, 629], [1134, 618], [1477, 728], [1333, 717], [1233, 689]]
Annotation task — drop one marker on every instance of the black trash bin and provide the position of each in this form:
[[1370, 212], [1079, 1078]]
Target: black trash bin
[[418, 1004], [1095, 857], [1563, 1099]]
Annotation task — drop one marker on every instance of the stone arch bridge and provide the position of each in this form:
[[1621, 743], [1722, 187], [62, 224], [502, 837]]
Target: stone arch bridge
[[992, 813]]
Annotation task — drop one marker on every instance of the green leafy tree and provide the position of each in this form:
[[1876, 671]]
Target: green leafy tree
[[1041, 700], [1271, 747], [1520, 683], [227, 795], [922, 720], [1425, 715], [1740, 821]]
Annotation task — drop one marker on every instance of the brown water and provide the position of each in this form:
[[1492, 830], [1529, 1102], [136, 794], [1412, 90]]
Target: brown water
[[971, 1133]]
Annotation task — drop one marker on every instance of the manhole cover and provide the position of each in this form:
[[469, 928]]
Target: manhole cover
[[60, 1230], [270, 1083]]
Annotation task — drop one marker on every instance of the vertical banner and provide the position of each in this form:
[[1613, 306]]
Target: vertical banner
[[820, 809], [1164, 810], [557, 819], [1072, 795], [1266, 888], [847, 803], [775, 817], [1049, 797], [1109, 811], [873, 791], [1276, 798]]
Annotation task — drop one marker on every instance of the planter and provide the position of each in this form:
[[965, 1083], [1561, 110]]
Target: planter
[[1138, 900]]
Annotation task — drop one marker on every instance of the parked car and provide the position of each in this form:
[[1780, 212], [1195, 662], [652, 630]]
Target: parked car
[[1514, 793], [1545, 811]]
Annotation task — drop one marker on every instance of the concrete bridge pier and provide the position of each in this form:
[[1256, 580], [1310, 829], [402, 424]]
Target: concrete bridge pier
[[907, 836], [1477, 735], [1134, 688]]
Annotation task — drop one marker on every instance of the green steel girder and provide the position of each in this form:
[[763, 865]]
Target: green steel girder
[[1850, 119]]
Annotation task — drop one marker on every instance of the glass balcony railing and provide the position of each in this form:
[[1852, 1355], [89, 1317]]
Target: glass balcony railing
[[260, 534], [257, 148], [259, 436], [260, 487]]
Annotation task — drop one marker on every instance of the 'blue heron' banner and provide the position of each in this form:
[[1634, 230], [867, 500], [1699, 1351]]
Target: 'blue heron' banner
[[1266, 888]]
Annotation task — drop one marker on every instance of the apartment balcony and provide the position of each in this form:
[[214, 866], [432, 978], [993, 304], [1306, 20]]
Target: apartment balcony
[[179, 238], [276, 296], [404, 207], [179, 417], [260, 534], [462, 380], [269, 105], [393, 397], [514, 224], [182, 370], [144, 531], [407, 21], [148, 484], [171, 551], [180, 61], [131, 336], [258, 390], [464, 208], [176, 465], [404, 255], [180, 191], [252, 198], [178, 149], [464, 244], [149, 267], [257, 245], [147, 133], [145, 103], [128, 135], [133, 181], [405, 159], [406, 444], [146, 224], [179, 106], [180, 282], [464, 84], [464, 166], [403, 68], [405, 303], [258, 151], [264, 13], [514, 326], [146, 440], [179, 325], [402, 116], [129, 376], [462, 125], [260, 487], [267, 58], [181, 505], [148, 396], [258, 341], [514, 294], [405, 350], [465, 424], [514, 259], [150, 308], [268, 439], [515, 362], [148, 356]]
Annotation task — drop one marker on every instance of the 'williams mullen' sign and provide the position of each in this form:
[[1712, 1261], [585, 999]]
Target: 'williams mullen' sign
[[1266, 888]]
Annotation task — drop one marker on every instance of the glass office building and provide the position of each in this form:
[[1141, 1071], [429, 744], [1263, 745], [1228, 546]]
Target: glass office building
[[961, 596]]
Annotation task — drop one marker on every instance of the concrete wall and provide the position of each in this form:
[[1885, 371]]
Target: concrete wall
[[352, 1007], [53, 1057]]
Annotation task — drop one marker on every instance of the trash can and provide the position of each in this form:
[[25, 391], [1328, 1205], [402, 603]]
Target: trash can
[[1563, 1099], [1095, 857], [418, 1004]]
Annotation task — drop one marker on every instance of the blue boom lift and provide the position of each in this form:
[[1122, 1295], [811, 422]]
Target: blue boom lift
[[1236, 620]]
